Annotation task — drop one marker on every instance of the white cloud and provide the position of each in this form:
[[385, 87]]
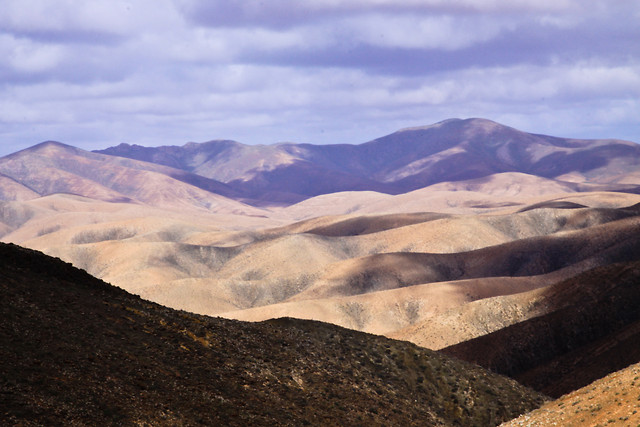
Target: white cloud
[[116, 17], [26, 56]]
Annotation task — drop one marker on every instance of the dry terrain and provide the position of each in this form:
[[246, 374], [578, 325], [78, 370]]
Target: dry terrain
[[78, 351], [613, 400], [513, 250], [588, 328], [395, 274]]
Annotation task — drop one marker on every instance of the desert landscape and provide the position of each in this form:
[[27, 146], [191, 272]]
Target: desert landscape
[[517, 252]]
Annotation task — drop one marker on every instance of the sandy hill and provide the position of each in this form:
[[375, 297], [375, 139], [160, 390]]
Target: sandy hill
[[505, 192], [76, 350], [612, 400], [438, 299], [340, 269]]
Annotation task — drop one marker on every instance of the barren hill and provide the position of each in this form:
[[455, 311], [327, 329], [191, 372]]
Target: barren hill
[[612, 400], [496, 217], [76, 350], [325, 268]]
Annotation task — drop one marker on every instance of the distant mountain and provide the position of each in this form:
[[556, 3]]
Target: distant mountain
[[281, 173], [452, 150], [77, 351], [265, 175], [51, 167]]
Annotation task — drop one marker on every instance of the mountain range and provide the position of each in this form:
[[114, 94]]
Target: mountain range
[[206, 175], [452, 150]]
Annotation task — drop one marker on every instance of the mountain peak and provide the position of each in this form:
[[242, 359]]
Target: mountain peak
[[474, 122], [432, 126], [51, 143], [44, 147]]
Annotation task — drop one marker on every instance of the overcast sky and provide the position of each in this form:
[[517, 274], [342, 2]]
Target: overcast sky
[[164, 72]]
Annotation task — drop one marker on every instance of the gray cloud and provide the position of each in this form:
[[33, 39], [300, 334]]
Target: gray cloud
[[283, 14]]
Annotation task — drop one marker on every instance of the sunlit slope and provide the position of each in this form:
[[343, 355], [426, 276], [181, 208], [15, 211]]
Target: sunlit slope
[[610, 400]]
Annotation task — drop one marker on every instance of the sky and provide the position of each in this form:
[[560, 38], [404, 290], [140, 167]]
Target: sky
[[97, 73]]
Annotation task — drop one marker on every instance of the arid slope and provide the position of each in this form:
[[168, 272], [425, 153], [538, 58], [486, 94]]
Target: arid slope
[[612, 400], [76, 350]]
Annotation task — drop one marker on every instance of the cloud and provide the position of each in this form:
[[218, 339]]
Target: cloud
[[283, 14], [168, 71]]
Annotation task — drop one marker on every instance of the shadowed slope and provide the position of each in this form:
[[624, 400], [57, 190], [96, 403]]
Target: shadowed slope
[[76, 350], [372, 224], [592, 328], [584, 248]]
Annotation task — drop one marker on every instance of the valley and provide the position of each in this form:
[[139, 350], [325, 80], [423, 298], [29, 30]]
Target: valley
[[517, 252]]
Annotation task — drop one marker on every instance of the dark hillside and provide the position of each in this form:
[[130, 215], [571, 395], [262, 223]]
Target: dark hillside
[[76, 350], [592, 330]]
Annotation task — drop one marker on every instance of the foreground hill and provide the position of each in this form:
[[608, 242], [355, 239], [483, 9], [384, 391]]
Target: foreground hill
[[452, 150], [76, 350]]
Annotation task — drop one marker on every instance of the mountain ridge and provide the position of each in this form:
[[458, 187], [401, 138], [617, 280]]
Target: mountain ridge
[[53, 167], [452, 151], [403, 161]]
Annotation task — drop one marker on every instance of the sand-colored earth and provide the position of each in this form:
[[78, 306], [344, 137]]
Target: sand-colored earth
[[612, 400], [423, 266]]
